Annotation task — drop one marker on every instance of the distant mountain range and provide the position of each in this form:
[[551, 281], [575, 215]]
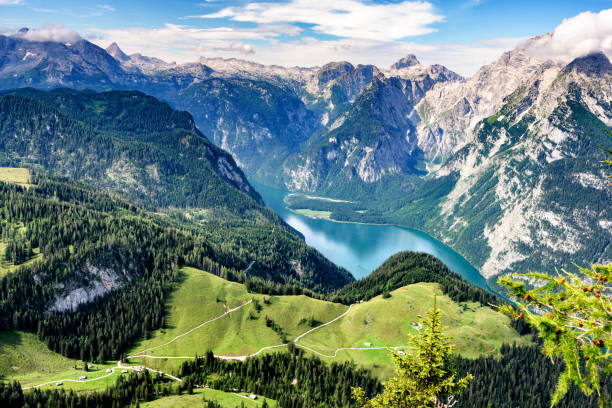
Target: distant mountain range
[[503, 166]]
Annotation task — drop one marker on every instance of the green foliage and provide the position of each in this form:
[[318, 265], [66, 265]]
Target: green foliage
[[128, 389], [121, 140], [406, 268], [521, 377], [608, 161], [573, 316], [79, 230], [153, 155], [425, 378], [291, 378]]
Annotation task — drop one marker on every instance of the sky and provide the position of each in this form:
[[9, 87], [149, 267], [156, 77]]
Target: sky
[[463, 34]]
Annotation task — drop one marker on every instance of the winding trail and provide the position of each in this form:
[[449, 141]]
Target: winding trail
[[351, 348], [119, 366], [324, 324], [261, 350], [142, 354], [248, 267]]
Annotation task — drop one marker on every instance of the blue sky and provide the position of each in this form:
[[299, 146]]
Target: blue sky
[[460, 34]]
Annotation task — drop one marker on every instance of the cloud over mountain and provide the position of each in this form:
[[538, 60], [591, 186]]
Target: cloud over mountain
[[576, 37], [55, 33]]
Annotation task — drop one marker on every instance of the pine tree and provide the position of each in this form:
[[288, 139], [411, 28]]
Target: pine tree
[[425, 379]]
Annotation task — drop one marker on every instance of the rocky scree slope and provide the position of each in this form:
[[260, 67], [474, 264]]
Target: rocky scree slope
[[531, 192]]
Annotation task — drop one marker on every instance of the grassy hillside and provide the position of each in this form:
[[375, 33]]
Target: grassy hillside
[[201, 296], [7, 267], [16, 175], [477, 330], [225, 399], [197, 298], [28, 360]]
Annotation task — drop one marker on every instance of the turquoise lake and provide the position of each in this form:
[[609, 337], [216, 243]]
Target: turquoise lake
[[361, 248]]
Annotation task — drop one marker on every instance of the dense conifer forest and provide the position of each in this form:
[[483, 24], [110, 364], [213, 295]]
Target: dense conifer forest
[[79, 233], [523, 377], [405, 268], [139, 148]]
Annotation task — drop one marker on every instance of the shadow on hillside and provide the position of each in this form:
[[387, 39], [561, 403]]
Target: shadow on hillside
[[8, 338]]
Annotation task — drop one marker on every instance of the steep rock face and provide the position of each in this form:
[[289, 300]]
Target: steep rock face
[[258, 122], [335, 87], [332, 71], [98, 57], [49, 64], [451, 110], [137, 63], [374, 138], [410, 68], [101, 281], [495, 146], [408, 61], [114, 51], [531, 190]]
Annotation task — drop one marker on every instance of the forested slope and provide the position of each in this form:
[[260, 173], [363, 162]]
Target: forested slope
[[140, 148], [106, 265], [121, 140]]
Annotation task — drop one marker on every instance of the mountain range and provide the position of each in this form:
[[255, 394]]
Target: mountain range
[[503, 166]]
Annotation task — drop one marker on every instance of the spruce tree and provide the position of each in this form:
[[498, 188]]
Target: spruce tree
[[424, 379], [573, 315]]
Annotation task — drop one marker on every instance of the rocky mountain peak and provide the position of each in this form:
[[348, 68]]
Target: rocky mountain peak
[[595, 64], [333, 70], [408, 61], [23, 30], [117, 53]]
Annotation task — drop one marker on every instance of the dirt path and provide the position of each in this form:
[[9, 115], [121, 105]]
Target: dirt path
[[352, 348], [261, 350], [323, 325], [141, 353], [119, 366]]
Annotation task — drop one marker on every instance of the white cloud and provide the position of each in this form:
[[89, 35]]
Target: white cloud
[[232, 48], [56, 33], [43, 10], [187, 44], [474, 3], [236, 46], [10, 2], [342, 18], [106, 7], [575, 37]]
